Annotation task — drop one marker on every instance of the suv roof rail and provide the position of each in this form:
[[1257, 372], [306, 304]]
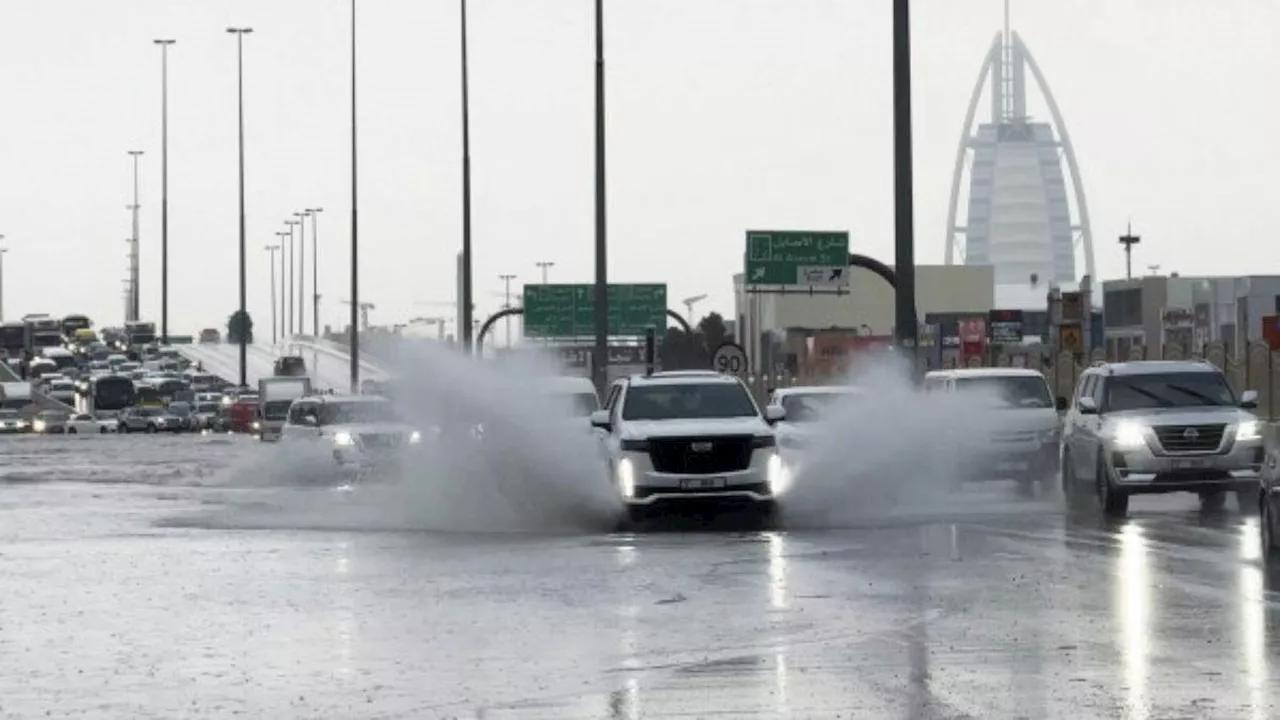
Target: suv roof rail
[[1098, 363]]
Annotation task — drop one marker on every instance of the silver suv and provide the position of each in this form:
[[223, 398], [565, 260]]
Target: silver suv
[[1159, 427]]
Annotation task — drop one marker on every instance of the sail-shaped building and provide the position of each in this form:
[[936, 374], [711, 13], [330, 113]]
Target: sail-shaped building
[[1025, 208]]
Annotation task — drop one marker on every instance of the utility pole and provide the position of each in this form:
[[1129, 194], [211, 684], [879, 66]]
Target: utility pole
[[240, 32], [293, 253], [1128, 240], [273, 249], [282, 234], [302, 270], [467, 334], [315, 272], [904, 193], [134, 303], [600, 353], [354, 340], [2, 252], [164, 189], [506, 280]]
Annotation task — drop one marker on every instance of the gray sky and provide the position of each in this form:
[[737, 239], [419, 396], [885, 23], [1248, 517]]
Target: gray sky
[[723, 115]]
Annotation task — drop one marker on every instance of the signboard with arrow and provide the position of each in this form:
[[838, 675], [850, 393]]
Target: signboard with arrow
[[797, 259]]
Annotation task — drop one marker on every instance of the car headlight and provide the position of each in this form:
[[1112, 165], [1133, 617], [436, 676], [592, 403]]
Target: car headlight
[[1249, 430], [1128, 435], [257, 425], [38, 426], [626, 478], [344, 439], [415, 437], [776, 475]]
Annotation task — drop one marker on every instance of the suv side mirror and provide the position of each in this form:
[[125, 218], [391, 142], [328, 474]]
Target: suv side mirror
[[774, 414], [600, 419], [1087, 406], [1062, 403], [1249, 399]]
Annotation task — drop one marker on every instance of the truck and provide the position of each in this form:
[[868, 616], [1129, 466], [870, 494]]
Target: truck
[[275, 396], [13, 338], [138, 333], [42, 332]]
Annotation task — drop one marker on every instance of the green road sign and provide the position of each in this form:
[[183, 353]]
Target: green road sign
[[807, 259], [566, 311]]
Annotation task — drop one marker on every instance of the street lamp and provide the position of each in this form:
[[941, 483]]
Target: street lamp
[[2, 252], [904, 263], [282, 234], [164, 189], [354, 339], [240, 32], [302, 269], [506, 280], [293, 253], [544, 266], [273, 249], [466, 192], [135, 305], [315, 273], [600, 353]]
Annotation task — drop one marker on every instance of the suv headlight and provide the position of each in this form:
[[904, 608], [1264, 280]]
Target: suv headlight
[[1128, 435], [38, 426], [1249, 430], [344, 439], [415, 437]]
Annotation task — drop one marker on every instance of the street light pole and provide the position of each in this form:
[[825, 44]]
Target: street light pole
[[600, 353], [240, 32], [302, 270], [135, 305], [293, 253], [315, 272], [164, 189], [2, 252], [544, 266], [506, 280], [354, 341], [282, 235], [273, 249], [904, 224], [466, 191]]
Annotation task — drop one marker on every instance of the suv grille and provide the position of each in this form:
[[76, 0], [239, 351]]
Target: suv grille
[[678, 455], [1189, 438], [380, 440]]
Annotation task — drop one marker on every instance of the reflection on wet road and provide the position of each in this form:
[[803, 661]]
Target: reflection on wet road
[[117, 602]]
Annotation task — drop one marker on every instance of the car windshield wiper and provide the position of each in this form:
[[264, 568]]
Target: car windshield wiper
[[1161, 400], [1194, 393]]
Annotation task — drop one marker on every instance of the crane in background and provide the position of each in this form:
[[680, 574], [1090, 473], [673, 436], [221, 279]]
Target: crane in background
[[365, 307], [688, 303]]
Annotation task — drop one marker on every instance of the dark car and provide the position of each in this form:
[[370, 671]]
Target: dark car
[[290, 366], [210, 335], [185, 414]]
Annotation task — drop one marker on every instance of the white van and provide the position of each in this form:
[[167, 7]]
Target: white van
[[1027, 426]]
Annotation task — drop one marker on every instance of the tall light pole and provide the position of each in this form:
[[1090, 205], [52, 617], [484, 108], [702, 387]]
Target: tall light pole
[[315, 272], [466, 191], [600, 353], [293, 253], [135, 306], [164, 189], [506, 281], [354, 340], [273, 249], [240, 32], [302, 270], [282, 234], [904, 263], [544, 266]]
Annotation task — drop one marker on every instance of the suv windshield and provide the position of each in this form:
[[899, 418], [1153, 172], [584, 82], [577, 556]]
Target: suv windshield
[[1192, 389], [807, 407], [687, 401], [357, 412], [1021, 391]]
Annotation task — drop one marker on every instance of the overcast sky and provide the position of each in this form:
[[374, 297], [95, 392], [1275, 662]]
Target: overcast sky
[[723, 115]]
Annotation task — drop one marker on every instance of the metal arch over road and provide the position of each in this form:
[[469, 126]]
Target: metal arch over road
[[484, 329]]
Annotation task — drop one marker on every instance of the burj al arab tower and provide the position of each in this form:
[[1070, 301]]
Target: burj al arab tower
[[1022, 217]]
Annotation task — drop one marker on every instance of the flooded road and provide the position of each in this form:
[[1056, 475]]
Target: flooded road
[[128, 590]]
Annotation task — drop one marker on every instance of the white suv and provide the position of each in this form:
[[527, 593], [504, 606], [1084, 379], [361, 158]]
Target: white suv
[[362, 432], [678, 436]]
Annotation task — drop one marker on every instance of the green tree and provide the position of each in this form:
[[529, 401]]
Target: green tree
[[239, 323], [713, 331]]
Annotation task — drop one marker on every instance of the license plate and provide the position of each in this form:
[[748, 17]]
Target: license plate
[[1189, 464], [709, 483]]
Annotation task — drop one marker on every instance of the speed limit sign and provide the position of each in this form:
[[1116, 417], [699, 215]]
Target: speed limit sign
[[730, 359]]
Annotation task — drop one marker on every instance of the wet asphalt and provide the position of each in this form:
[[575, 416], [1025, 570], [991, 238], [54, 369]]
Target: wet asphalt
[[120, 599]]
